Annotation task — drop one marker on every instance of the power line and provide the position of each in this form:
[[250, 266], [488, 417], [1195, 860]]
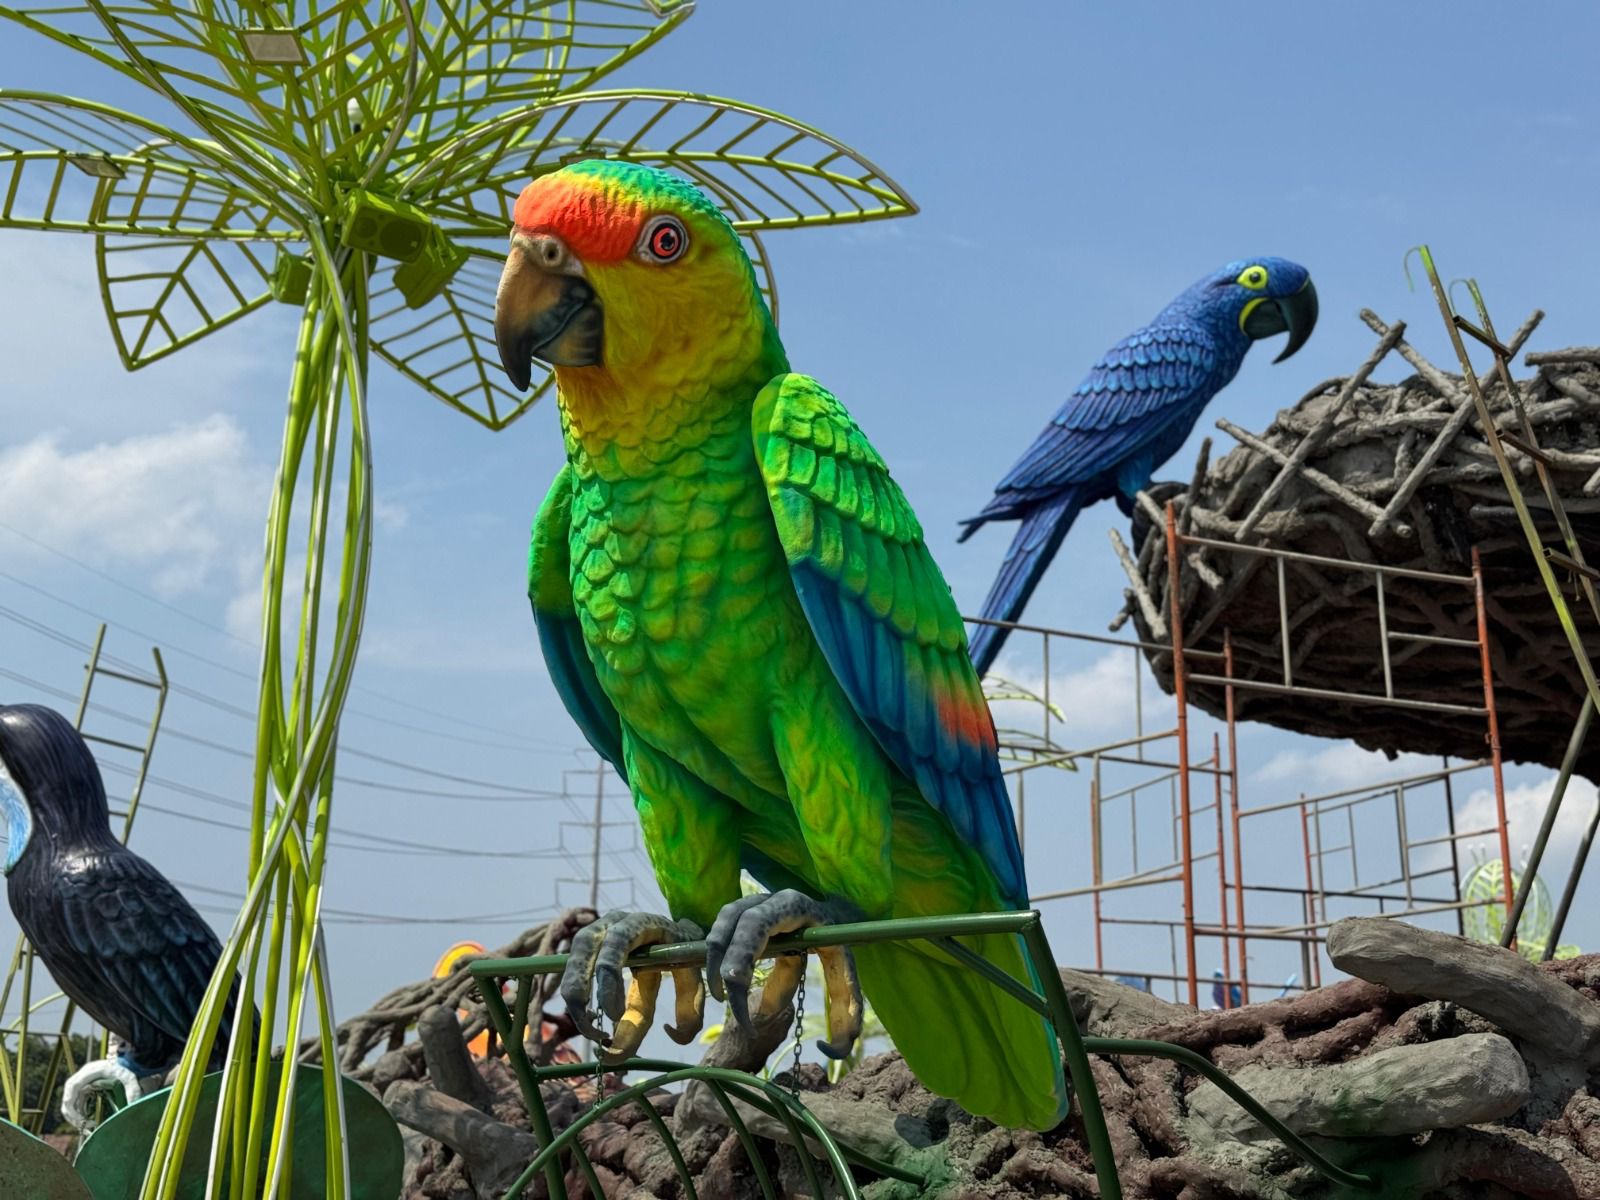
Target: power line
[[519, 746], [215, 628], [356, 917], [382, 843], [244, 714], [391, 846], [530, 795], [403, 850]]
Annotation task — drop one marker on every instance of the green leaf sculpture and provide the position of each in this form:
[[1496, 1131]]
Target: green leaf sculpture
[[357, 159]]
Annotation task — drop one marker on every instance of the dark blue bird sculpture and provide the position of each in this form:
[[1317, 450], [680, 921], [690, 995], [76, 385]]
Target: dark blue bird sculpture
[[1131, 413], [117, 937]]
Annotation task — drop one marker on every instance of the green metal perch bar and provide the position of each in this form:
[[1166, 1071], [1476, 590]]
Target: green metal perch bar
[[803, 1128]]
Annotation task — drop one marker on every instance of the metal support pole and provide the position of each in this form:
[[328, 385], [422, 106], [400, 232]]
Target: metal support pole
[[1494, 733], [1455, 848], [1222, 874], [1283, 623], [1022, 811], [1552, 810], [599, 817], [1405, 839], [1180, 691], [1571, 889], [1233, 803], [1383, 639], [1312, 961], [1096, 866]]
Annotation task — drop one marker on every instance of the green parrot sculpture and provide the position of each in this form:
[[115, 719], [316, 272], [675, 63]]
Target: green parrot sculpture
[[736, 604]]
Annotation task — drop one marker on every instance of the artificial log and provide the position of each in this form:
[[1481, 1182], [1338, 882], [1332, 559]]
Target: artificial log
[[493, 1152], [1399, 475], [448, 1062], [1445, 1033]]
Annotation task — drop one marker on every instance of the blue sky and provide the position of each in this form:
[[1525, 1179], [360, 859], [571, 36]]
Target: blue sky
[[1076, 166]]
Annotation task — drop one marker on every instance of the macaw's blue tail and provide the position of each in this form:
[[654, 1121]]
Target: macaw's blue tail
[[1036, 543]]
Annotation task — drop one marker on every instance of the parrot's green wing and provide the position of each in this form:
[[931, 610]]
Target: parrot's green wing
[[560, 634], [883, 613]]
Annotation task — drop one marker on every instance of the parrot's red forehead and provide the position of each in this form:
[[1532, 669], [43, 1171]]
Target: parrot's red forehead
[[597, 222]]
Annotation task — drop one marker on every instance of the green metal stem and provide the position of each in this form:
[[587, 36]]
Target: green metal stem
[[532, 1098], [1073, 1049], [1574, 877], [803, 1124], [1201, 1065], [1508, 476], [1552, 810], [1053, 1002]]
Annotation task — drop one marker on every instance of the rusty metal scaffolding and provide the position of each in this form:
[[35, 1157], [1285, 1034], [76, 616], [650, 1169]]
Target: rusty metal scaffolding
[[1201, 792]]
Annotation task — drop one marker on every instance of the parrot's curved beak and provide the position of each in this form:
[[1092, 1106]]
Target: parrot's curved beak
[[1295, 315], [549, 314]]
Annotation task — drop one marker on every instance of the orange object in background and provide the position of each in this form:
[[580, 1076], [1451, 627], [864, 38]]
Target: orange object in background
[[479, 1046]]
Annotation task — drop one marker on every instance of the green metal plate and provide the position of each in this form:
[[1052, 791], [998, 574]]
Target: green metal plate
[[31, 1168], [112, 1161]]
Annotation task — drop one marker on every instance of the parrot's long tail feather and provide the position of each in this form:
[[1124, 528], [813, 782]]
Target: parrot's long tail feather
[[1034, 545], [962, 1036]]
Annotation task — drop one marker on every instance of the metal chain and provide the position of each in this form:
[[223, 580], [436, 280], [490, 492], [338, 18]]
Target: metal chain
[[799, 1034]]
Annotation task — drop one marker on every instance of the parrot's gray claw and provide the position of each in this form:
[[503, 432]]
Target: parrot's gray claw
[[594, 972], [738, 938]]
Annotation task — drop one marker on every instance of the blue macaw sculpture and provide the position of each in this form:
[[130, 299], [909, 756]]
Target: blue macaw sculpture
[[1134, 410], [118, 938]]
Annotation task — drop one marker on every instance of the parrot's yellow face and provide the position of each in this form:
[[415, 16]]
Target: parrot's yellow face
[[624, 279]]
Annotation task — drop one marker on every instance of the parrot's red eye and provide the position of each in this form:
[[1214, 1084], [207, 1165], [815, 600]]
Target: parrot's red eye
[[664, 240]]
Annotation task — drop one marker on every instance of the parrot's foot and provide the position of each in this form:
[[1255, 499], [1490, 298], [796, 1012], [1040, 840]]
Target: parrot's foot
[[102, 1075], [739, 936], [594, 970]]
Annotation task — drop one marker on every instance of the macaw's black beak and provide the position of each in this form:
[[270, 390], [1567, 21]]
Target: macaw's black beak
[[1295, 315], [551, 315]]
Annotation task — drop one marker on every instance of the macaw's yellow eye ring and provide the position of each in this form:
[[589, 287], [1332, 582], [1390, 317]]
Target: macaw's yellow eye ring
[[664, 240], [1254, 278]]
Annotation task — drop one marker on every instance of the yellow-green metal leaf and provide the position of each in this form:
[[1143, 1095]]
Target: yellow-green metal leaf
[[194, 55], [447, 346], [483, 59], [770, 171], [161, 296], [70, 165], [320, 89]]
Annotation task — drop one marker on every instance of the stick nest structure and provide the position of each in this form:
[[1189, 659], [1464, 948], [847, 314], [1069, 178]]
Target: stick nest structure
[[1398, 475]]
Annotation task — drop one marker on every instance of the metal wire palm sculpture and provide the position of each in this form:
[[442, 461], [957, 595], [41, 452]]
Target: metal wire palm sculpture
[[357, 159]]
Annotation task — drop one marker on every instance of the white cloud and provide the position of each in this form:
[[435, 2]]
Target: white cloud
[[390, 516], [1337, 767], [62, 369], [1096, 699], [1525, 807], [178, 506], [243, 615]]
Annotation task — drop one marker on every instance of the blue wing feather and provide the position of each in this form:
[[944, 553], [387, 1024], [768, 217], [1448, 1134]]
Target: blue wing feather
[[560, 633], [1128, 401], [891, 633]]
